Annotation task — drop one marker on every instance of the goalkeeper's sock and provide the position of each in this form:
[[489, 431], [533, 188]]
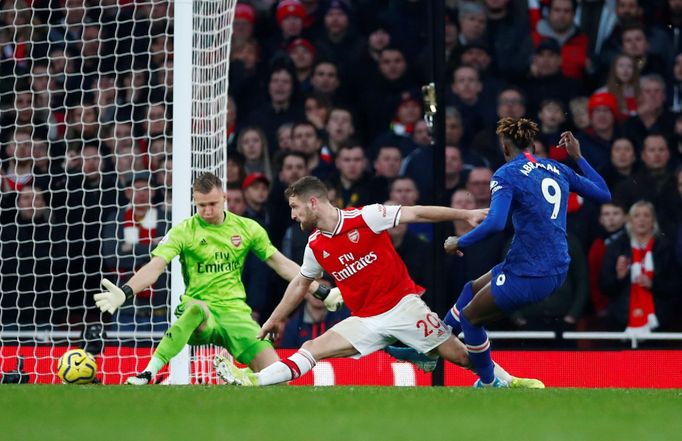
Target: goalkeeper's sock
[[178, 335], [287, 369], [452, 317], [154, 366], [478, 346]]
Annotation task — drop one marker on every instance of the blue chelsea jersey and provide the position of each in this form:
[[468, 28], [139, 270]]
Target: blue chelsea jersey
[[539, 200]]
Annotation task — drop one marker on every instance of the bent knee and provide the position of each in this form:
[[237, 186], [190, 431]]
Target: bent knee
[[196, 310], [197, 313], [481, 282]]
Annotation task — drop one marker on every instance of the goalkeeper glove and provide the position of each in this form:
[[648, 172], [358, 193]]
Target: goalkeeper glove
[[333, 301], [113, 297]]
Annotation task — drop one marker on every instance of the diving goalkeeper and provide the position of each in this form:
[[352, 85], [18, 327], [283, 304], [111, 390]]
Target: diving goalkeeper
[[212, 245]]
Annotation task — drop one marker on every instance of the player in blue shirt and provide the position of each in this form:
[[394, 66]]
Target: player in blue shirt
[[535, 192]]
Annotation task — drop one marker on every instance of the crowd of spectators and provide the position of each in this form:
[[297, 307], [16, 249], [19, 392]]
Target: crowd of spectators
[[332, 89]]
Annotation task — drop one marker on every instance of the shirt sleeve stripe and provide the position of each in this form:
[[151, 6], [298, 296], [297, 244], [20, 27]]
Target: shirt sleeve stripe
[[307, 277]]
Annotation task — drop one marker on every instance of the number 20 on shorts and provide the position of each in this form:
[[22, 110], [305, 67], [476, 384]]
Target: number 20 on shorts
[[429, 324]]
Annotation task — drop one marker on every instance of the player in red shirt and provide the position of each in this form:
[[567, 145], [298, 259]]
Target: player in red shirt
[[353, 246]]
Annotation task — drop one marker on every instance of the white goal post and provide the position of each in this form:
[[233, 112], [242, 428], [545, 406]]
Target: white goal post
[[202, 52]]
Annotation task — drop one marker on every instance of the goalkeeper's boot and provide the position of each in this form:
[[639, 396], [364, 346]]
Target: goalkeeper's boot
[[140, 379], [497, 382], [526, 383], [231, 374], [421, 361]]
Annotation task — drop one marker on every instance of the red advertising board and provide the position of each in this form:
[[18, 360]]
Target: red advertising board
[[627, 368]]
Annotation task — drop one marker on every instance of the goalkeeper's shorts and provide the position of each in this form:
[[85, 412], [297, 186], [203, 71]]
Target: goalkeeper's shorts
[[232, 328]]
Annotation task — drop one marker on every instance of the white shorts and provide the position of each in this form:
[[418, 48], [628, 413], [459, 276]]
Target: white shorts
[[410, 321]]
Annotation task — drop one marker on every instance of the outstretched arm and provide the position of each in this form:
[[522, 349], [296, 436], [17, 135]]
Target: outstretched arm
[[432, 214], [496, 220], [113, 297], [147, 275], [591, 185]]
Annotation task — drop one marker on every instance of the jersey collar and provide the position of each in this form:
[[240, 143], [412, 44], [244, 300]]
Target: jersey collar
[[206, 224], [337, 228], [525, 156]]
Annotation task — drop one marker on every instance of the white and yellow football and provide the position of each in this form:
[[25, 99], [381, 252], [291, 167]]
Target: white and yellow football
[[77, 367]]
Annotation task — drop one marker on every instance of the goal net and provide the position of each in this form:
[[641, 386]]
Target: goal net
[[94, 112]]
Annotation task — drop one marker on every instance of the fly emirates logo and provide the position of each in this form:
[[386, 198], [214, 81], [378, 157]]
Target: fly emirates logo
[[351, 265]]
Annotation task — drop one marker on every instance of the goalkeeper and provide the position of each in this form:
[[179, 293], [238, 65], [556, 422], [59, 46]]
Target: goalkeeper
[[212, 245]]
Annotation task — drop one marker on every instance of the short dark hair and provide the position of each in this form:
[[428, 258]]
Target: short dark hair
[[206, 182], [305, 187], [402, 178], [574, 4], [632, 25], [281, 156], [388, 146], [614, 203], [320, 98], [551, 101], [392, 48], [304, 123], [656, 134], [513, 89]]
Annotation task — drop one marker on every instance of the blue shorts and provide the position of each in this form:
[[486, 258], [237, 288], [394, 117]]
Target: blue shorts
[[512, 292]]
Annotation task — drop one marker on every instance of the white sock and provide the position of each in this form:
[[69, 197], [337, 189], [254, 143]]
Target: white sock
[[154, 366], [502, 374], [288, 369]]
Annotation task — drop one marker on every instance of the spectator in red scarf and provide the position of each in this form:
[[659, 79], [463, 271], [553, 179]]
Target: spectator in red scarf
[[132, 232], [18, 170], [407, 113], [128, 237], [640, 275]]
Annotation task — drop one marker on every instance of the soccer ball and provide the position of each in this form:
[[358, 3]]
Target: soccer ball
[[76, 367]]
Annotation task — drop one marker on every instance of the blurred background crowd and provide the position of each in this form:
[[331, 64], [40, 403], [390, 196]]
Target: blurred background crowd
[[332, 89]]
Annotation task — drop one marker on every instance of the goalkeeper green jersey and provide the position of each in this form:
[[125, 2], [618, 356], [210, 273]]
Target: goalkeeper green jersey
[[212, 256]]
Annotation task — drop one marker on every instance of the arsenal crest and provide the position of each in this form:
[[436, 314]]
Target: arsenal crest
[[354, 236], [236, 241]]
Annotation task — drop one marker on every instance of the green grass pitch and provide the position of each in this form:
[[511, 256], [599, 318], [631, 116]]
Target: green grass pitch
[[201, 413]]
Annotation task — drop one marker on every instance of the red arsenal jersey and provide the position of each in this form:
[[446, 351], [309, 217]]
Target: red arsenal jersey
[[360, 256]]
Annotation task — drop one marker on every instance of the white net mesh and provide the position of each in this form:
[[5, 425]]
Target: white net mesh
[[86, 95], [212, 20], [212, 29]]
